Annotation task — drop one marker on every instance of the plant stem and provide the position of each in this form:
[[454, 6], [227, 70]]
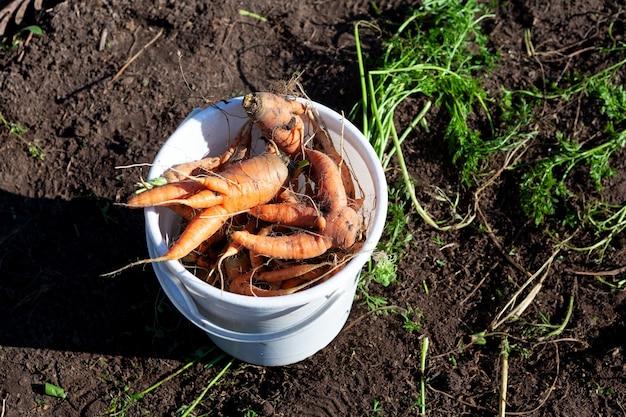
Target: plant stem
[[504, 355], [211, 383], [568, 315], [423, 378], [173, 375]]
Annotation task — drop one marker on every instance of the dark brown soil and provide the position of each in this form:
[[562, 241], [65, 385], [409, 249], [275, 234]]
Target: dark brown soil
[[104, 338]]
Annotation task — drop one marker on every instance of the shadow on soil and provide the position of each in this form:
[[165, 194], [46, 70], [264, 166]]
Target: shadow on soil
[[52, 253]]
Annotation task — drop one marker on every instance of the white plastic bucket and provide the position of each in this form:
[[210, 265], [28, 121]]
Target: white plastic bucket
[[265, 330]]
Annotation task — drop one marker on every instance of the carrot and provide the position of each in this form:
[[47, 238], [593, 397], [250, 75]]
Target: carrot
[[206, 246], [236, 265], [254, 181], [246, 191], [204, 225], [243, 285], [323, 142], [164, 193], [251, 182], [298, 215], [295, 246], [340, 226], [288, 196], [183, 211], [278, 118], [192, 168], [282, 281], [200, 200], [322, 272], [213, 182], [331, 191], [283, 274], [343, 226], [292, 283], [233, 249], [239, 149], [258, 261], [174, 192]]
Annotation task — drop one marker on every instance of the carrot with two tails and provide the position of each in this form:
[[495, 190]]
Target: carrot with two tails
[[251, 182]]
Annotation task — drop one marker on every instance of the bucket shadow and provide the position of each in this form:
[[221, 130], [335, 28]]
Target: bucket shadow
[[52, 295]]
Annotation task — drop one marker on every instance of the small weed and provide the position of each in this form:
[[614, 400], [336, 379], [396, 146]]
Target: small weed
[[371, 301], [382, 268], [377, 409], [106, 215], [125, 400], [17, 38], [601, 390], [479, 338], [412, 319], [54, 390], [614, 286], [546, 192], [452, 360], [247, 13], [17, 131]]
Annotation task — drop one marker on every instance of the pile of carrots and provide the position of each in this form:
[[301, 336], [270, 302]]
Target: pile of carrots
[[269, 224]]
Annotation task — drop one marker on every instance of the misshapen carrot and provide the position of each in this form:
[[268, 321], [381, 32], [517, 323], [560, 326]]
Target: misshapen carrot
[[247, 190], [164, 193], [331, 192], [239, 149], [293, 271], [252, 182], [296, 246], [323, 142], [202, 199], [175, 192], [192, 168], [278, 118], [343, 224], [290, 214]]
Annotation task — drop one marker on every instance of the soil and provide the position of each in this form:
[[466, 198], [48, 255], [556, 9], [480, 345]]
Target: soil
[[101, 339]]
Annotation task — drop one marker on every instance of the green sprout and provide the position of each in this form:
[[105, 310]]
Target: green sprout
[[17, 131]]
